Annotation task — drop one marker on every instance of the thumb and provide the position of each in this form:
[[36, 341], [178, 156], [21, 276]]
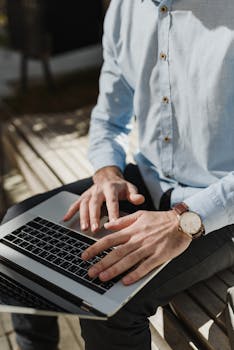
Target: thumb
[[133, 196], [136, 198]]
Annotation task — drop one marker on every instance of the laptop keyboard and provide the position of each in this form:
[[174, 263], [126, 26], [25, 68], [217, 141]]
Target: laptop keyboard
[[13, 293], [59, 249]]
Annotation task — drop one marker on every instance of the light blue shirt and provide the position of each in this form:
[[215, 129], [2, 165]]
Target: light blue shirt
[[171, 64]]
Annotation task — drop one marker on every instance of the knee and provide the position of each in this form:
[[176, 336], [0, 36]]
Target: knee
[[10, 214], [21, 207]]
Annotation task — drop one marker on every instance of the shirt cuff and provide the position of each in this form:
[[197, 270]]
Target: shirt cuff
[[208, 205], [103, 159]]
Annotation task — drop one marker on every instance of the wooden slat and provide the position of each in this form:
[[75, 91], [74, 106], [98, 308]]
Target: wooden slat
[[4, 344], [36, 164], [167, 326], [49, 156], [71, 148], [5, 322], [202, 326], [74, 325], [227, 276], [68, 338], [209, 302], [157, 341], [61, 145], [12, 341], [218, 287], [32, 180]]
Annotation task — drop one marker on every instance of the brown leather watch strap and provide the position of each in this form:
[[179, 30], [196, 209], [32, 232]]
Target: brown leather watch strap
[[180, 208]]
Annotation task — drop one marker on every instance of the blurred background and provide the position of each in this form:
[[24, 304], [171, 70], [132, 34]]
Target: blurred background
[[50, 59]]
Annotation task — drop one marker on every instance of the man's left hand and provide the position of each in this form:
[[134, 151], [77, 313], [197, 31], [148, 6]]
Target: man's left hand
[[145, 239]]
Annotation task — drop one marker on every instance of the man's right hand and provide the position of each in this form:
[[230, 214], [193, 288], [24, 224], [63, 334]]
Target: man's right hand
[[110, 187]]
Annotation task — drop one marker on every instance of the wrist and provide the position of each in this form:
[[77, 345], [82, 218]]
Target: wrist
[[107, 173], [190, 222]]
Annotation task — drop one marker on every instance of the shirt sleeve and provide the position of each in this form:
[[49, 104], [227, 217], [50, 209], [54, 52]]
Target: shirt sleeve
[[111, 118], [215, 204]]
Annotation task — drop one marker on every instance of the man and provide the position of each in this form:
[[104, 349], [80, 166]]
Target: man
[[171, 64]]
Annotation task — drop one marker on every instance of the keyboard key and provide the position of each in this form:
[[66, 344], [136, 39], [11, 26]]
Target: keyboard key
[[58, 261], [67, 248], [85, 265], [76, 251], [37, 251], [61, 254], [10, 238], [35, 225], [65, 265], [43, 254], [74, 269], [69, 257], [50, 257], [77, 261]]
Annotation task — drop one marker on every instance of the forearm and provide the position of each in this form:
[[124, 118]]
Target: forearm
[[108, 143]]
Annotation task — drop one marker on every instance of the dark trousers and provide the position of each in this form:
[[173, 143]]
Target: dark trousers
[[129, 328]]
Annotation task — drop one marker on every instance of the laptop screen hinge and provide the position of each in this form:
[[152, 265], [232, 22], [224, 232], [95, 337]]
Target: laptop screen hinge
[[86, 306]]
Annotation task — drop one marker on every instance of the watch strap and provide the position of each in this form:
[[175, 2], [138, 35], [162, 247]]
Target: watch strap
[[180, 208]]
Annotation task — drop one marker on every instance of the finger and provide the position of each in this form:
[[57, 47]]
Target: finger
[[84, 215], [74, 208], [113, 257], [105, 243], [127, 262], [95, 205], [112, 204], [133, 196], [145, 267], [122, 222]]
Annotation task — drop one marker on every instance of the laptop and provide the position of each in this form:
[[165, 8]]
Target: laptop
[[41, 271]]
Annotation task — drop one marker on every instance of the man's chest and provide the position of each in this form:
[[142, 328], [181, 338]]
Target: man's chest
[[187, 34]]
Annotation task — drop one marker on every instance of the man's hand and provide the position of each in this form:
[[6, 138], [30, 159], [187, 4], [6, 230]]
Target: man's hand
[[110, 187], [146, 239]]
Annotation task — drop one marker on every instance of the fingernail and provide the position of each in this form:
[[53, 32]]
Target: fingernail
[[94, 227], [65, 218], [127, 280], [85, 255], [84, 226], [93, 272], [104, 275]]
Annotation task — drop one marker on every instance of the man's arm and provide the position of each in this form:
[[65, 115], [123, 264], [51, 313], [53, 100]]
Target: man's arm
[[111, 118], [215, 204], [110, 126]]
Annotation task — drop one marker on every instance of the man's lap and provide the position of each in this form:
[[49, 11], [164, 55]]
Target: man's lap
[[202, 259]]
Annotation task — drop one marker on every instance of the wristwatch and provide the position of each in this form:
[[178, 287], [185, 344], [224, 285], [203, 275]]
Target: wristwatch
[[189, 222]]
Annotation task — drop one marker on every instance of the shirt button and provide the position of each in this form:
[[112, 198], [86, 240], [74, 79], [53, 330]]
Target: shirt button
[[163, 56], [164, 9], [167, 139], [165, 99]]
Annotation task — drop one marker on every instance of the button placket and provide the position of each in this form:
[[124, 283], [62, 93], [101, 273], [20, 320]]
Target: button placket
[[166, 110]]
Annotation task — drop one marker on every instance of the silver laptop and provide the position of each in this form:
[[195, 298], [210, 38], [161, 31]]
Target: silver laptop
[[41, 271]]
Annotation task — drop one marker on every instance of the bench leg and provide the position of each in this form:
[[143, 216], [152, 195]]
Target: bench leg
[[24, 72], [3, 203], [47, 72], [229, 314]]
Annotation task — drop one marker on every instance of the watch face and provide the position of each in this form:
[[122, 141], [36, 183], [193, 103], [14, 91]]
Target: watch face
[[190, 222]]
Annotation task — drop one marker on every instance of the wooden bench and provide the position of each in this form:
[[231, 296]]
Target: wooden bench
[[50, 150]]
